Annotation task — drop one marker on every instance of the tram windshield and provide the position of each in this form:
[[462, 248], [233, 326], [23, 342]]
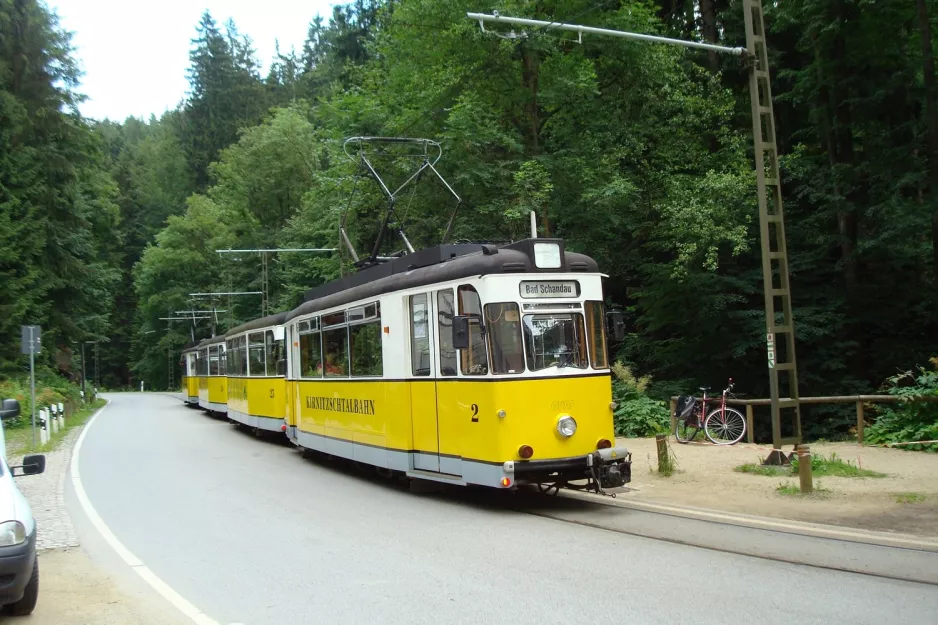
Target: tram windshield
[[555, 340]]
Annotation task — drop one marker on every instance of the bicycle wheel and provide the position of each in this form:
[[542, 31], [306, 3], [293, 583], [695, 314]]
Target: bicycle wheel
[[725, 426], [686, 429]]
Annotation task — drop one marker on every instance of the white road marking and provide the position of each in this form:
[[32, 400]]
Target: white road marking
[[178, 601]]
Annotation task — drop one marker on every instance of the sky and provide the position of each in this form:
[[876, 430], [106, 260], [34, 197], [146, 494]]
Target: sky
[[135, 54]]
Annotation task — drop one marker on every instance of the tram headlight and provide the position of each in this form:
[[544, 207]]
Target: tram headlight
[[566, 426]]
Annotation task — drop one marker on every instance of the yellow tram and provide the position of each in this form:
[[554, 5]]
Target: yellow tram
[[467, 364], [256, 367], [212, 375]]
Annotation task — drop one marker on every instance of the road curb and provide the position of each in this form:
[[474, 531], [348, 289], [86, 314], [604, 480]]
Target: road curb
[[801, 528]]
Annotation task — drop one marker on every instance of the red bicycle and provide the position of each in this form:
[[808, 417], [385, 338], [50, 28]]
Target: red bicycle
[[723, 425]]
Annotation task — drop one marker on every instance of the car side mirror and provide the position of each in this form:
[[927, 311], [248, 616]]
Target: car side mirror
[[9, 408], [615, 324], [461, 332], [32, 465]]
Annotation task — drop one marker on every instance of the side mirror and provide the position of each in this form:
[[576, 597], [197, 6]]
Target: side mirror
[[9, 408], [461, 332], [32, 465], [615, 324]]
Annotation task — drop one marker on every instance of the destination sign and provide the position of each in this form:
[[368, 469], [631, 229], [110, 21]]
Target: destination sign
[[547, 289]]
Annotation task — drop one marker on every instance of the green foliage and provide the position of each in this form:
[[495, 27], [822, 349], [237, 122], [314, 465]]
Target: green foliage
[[793, 490], [761, 469], [51, 388], [820, 467], [636, 414], [908, 420], [57, 211]]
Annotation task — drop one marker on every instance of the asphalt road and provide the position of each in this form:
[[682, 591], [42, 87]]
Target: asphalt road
[[252, 533]]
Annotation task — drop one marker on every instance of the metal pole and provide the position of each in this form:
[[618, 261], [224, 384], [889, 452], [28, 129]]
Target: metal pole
[[602, 31], [533, 225], [83, 390], [32, 380]]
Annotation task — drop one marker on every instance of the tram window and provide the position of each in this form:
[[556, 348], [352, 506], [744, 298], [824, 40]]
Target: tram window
[[310, 356], [472, 361], [275, 353], [242, 355], [596, 334], [356, 314], [256, 357], [334, 319], [555, 340], [444, 304], [365, 345], [419, 335], [303, 326], [213, 360], [503, 328], [222, 360], [335, 346]]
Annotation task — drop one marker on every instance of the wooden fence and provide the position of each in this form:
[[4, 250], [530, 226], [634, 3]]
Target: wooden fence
[[858, 400]]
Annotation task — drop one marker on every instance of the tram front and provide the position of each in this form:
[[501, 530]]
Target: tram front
[[542, 332]]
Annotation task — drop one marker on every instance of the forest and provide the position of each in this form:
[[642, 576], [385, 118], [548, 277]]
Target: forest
[[637, 154]]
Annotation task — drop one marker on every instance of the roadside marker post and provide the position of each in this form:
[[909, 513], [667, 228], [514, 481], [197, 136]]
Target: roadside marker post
[[55, 418], [43, 433], [804, 469]]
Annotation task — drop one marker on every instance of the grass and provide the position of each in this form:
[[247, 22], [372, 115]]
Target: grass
[[910, 498], [791, 490], [762, 469], [20, 440], [820, 467]]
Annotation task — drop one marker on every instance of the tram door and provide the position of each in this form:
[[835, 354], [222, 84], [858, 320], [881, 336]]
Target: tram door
[[423, 400]]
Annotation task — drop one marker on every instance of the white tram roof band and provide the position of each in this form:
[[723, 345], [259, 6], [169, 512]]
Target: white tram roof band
[[401, 274]]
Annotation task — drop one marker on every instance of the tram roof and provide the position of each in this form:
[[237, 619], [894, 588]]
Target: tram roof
[[438, 264], [263, 322], [218, 338]]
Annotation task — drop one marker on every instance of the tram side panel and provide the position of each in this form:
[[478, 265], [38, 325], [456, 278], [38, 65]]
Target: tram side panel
[[218, 393], [202, 381]]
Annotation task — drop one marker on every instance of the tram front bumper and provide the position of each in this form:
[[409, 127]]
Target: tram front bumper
[[612, 467]]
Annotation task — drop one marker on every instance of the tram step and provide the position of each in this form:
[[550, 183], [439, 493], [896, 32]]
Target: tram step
[[436, 477]]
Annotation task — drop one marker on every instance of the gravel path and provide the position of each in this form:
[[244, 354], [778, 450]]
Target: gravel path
[[705, 479], [46, 496]]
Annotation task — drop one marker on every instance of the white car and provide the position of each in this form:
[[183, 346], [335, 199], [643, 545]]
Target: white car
[[19, 567]]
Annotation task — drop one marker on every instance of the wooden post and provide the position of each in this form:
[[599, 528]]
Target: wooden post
[[664, 461], [804, 469], [860, 423], [673, 415], [750, 437]]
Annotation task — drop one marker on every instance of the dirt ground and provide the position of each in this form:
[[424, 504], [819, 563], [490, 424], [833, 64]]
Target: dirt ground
[[74, 591], [705, 479]]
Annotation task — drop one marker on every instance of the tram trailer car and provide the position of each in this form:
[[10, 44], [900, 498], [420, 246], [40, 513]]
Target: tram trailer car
[[468, 364], [256, 365], [190, 380], [212, 372]]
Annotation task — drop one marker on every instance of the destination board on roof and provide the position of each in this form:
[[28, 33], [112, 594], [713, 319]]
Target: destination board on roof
[[545, 289]]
